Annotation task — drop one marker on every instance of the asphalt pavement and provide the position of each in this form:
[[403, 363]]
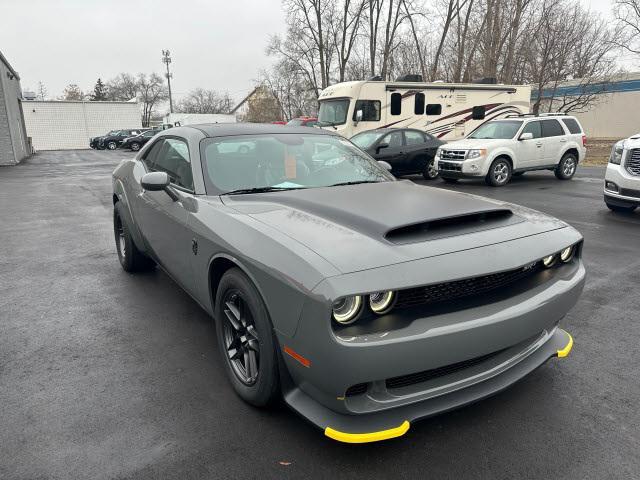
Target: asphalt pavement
[[104, 374]]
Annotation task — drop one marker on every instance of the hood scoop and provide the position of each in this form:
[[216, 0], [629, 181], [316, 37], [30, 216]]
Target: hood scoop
[[452, 226]]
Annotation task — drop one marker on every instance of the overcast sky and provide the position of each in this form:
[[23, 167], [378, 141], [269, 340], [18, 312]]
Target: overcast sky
[[216, 44]]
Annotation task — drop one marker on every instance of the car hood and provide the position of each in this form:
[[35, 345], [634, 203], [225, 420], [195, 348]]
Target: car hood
[[469, 143], [364, 226]]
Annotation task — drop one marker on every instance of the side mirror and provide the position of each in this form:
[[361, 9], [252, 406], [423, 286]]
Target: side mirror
[[156, 182], [385, 165], [381, 146], [359, 116], [526, 136]]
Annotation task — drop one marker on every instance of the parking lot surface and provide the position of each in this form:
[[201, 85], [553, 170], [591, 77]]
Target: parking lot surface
[[104, 374]]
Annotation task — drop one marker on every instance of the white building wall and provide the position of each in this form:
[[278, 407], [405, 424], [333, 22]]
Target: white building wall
[[61, 125], [614, 116]]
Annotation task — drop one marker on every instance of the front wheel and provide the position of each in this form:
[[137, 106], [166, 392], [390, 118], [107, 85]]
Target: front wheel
[[131, 259], [499, 173], [566, 169], [430, 172], [135, 146], [246, 341]]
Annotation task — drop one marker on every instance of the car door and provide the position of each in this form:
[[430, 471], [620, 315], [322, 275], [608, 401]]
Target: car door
[[164, 222], [553, 141], [529, 153], [416, 151], [393, 153]]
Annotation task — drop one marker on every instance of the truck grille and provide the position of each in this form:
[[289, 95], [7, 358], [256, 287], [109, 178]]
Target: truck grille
[[440, 292], [633, 162], [457, 155], [449, 166]]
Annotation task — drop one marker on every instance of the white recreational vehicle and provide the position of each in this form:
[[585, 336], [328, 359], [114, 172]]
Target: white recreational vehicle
[[446, 110]]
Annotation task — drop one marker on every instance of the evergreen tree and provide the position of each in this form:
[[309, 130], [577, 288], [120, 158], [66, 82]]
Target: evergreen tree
[[99, 92]]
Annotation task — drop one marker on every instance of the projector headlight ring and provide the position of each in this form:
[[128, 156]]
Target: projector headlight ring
[[346, 309], [381, 302], [549, 261], [567, 254]]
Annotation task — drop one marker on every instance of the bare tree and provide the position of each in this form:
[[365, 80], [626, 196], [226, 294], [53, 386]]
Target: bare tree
[[200, 100], [123, 87], [627, 14], [151, 91], [394, 19], [72, 92], [345, 31], [42, 93]]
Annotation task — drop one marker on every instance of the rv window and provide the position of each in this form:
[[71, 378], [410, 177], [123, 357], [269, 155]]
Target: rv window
[[478, 112], [419, 105], [370, 110], [434, 109], [333, 112], [396, 103]]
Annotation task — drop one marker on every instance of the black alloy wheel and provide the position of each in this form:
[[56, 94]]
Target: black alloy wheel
[[135, 146], [241, 338], [112, 145]]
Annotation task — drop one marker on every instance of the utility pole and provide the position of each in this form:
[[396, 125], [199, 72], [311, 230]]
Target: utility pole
[[166, 59]]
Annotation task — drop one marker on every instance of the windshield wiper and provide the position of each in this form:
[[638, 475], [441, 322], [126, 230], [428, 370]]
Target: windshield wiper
[[240, 191], [328, 124], [356, 182]]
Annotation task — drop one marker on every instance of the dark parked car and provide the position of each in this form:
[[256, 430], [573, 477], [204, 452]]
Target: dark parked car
[[405, 149], [95, 141], [137, 142], [364, 301], [114, 140]]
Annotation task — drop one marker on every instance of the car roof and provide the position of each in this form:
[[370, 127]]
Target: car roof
[[230, 129], [531, 117], [388, 129]]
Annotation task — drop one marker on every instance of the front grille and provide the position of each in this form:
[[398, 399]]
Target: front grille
[[449, 166], [633, 161], [440, 292], [413, 378], [354, 390], [629, 192], [452, 154]]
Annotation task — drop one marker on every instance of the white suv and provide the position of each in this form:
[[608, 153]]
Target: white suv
[[500, 148], [622, 179]]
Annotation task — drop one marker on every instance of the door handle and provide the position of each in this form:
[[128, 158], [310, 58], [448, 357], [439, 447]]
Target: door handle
[[538, 145]]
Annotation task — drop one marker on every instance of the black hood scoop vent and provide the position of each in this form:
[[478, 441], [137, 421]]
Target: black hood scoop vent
[[452, 226]]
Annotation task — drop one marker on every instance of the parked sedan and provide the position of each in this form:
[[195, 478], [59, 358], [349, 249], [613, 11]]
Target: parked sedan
[[364, 301], [407, 150], [114, 139], [95, 141], [135, 143]]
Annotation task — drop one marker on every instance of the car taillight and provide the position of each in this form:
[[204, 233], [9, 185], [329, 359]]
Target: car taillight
[[584, 140]]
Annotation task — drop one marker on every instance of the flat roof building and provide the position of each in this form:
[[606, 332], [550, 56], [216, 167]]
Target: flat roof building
[[14, 144]]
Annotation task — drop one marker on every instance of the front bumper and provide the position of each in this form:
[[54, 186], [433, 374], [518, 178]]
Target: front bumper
[[627, 193], [393, 423], [462, 168]]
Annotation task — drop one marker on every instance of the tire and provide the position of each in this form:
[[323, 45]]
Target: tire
[[243, 329], [430, 172], [131, 259], [567, 167], [135, 146], [618, 208], [499, 173], [112, 145], [449, 180]]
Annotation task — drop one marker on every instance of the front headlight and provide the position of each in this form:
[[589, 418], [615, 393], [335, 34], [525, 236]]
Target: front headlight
[[477, 153], [346, 310], [549, 261], [616, 153], [567, 254], [381, 302]]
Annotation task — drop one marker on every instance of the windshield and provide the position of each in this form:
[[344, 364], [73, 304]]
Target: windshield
[[333, 112], [284, 161], [365, 139], [497, 130]]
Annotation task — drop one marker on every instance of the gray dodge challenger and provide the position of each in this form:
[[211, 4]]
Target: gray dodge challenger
[[364, 301]]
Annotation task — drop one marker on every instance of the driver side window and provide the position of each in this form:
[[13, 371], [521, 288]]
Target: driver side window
[[394, 139], [171, 155]]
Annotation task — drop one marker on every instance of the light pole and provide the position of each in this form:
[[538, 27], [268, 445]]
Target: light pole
[[166, 59]]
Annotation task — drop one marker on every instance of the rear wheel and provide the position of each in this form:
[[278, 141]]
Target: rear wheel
[[499, 172], [246, 341], [566, 169], [618, 208], [112, 145], [430, 172], [135, 146], [131, 259]]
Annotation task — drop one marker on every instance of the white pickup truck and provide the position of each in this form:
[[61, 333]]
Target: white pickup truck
[[622, 178]]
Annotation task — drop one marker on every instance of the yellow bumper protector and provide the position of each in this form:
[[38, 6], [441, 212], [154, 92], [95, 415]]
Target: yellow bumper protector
[[367, 437], [565, 351]]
